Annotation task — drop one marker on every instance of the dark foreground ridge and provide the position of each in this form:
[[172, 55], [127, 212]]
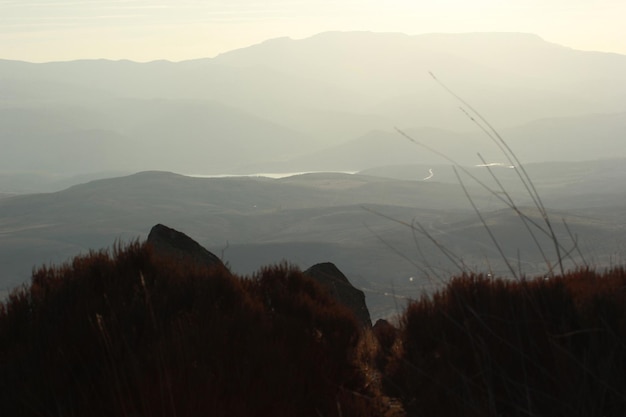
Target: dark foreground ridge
[[135, 332]]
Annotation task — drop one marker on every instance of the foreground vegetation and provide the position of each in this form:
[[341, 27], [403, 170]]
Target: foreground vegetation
[[129, 334], [542, 347], [132, 334]]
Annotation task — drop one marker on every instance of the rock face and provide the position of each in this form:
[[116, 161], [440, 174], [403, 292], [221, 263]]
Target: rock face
[[166, 241], [332, 278]]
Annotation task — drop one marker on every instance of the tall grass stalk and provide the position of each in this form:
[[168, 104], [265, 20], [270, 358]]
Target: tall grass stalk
[[503, 195]]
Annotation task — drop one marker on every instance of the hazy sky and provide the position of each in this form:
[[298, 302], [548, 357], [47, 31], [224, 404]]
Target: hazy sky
[[143, 30]]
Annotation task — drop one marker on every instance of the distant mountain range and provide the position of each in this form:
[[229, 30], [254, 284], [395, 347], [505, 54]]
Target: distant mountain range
[[358, 222], [329, 101]]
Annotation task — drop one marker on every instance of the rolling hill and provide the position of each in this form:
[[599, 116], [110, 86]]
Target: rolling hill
[[359, 222]]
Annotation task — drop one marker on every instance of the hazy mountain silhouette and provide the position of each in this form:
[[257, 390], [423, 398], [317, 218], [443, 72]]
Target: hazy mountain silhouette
[[511, 77], [281, 99], [590, 137]]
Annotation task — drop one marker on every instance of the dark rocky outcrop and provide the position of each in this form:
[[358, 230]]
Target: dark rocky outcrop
[[166, 241], [341, 289]]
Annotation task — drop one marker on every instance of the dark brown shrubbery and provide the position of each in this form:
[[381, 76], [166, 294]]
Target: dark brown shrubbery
[[131, 335], [491, 347]]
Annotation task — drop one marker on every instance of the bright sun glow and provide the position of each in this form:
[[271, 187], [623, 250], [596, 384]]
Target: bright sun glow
[[44, 30]]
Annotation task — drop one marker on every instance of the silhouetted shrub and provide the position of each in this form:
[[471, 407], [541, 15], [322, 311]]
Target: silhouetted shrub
[[126, 334], [129, 333], [494, 347]]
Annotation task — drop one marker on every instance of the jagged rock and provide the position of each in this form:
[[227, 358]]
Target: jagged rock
[[166, 241], [332, 278]]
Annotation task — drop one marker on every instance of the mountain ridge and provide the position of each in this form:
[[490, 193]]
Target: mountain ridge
[[282, 99]]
